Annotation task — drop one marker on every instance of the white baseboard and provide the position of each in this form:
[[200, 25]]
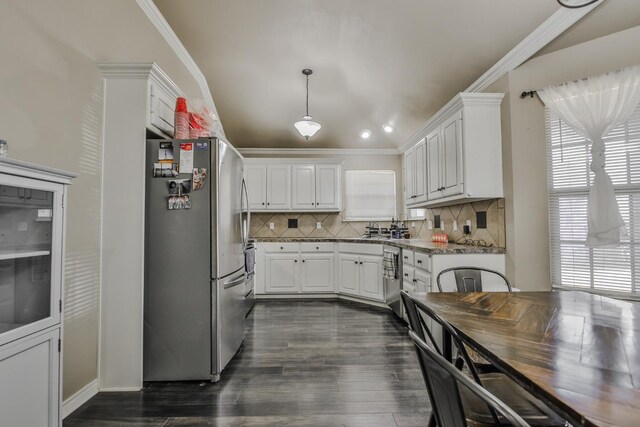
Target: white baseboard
[[322, 296], [79, 398], [109, 389]]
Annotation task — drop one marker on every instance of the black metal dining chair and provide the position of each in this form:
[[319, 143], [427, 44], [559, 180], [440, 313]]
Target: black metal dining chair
[[469, 279], [532, 410], [443, 383]]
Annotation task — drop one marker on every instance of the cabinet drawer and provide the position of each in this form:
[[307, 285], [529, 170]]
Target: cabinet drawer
[[408, 286], [408, 273], [316, 247], [407, 257], [360, 248], [423, 261], [281, 247]]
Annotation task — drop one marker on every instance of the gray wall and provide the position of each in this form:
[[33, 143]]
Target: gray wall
[[524, 146], [51, 110]]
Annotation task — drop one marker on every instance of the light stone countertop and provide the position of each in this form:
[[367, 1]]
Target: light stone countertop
[[417, 245]]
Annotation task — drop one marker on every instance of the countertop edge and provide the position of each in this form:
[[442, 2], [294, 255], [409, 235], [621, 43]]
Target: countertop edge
[[423, 246]]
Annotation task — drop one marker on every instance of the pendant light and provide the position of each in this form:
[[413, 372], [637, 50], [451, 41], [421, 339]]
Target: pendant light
[[307, 127]]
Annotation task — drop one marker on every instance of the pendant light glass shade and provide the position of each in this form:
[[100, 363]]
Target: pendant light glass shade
[[307, 127]]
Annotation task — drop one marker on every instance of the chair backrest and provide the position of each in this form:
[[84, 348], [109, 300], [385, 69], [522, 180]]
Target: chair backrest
[[416, 321], [469, 279], [442, 380]]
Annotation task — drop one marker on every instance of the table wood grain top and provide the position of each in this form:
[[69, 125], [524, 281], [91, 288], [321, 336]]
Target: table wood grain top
[[577, 351]]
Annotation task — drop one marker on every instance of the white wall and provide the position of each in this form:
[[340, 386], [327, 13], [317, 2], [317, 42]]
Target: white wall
[[524, 146], [51, 112]]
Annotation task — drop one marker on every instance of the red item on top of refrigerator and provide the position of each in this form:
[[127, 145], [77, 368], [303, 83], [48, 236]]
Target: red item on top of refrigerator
[[181, 120], [197, 126]]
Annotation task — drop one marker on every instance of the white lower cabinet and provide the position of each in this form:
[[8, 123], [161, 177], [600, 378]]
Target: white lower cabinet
[[371, 277], [422, 281], [349, 274], [282, 273], [317, 272], [361, 275], [31, 366]]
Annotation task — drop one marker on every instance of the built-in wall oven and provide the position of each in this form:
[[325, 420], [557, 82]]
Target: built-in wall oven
[[250, 268]]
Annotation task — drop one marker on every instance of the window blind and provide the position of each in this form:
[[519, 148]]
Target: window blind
[[370, 195], [608, 270]]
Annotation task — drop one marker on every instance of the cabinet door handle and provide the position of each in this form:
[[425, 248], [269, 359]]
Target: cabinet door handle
[[406, 274], [419, 261], [414, 280]]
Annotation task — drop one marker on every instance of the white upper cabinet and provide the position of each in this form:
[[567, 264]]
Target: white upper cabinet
[[304, 187], [328, 187], [278, 187], [290, 186], [256, 180], [415, 162], [463, 153]]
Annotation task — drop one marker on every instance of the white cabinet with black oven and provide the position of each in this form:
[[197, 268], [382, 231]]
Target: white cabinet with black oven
[[32, 225], [463, 147]]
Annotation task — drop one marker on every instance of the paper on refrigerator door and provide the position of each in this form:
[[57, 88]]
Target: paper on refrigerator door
[[186, 156]]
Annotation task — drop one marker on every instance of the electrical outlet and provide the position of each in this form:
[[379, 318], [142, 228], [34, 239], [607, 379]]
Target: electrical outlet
[[319, 225], [468, 223], [455, 225], [441, 224], [430, 225], [271, 226], [413, 225]]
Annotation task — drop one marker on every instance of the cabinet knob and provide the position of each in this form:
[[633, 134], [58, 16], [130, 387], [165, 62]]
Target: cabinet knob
[[268, 204], [262, 203], [317, 248], [414, 280], [303, 260], [281, 248], [356, 262], [295, 260], [360, 262]]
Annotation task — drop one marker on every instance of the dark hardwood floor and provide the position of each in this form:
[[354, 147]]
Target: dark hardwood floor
[[303, 363]]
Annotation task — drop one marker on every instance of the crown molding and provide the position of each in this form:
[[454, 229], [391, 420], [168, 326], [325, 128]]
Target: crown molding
[[457, 102], [319, 151], [161, 24], [555, 25], [139, 70]]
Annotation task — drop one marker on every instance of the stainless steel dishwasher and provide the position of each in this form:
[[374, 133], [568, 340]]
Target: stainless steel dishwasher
[[392, 278]]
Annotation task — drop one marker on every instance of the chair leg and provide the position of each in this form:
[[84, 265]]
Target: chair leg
[[432, 420]]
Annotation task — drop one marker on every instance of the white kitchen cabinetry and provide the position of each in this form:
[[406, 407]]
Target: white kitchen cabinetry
[[463, 152], [282, 273], [256, 180], [361, 270], [31, 275], [284, 185], [162, 104], [317, 272], [415, 174], [349, 275], [278, 187]]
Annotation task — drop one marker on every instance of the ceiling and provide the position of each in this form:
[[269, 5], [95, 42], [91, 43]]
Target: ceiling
[[374, 61]]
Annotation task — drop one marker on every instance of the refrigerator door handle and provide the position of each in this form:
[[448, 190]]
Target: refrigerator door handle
[[245, 235], [234, 283]]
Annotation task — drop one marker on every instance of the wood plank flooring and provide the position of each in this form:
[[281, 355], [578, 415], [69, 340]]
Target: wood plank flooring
[[303, 363]]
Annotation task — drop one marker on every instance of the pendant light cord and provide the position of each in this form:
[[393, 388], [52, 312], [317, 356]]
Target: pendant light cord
[[578, 6], [307, 94]]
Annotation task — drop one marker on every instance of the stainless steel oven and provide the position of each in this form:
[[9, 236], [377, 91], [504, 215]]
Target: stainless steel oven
[[250, 268]]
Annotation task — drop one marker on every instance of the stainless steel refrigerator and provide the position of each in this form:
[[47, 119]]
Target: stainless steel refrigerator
[[194, 259]]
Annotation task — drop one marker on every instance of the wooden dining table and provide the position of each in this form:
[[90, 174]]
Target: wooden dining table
[[577, 352]]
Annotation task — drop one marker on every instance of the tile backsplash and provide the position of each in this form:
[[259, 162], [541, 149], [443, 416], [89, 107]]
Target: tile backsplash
[[333, 225], [494, 234]]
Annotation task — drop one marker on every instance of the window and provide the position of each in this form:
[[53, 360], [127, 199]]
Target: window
[[608, 270], [370, 195]]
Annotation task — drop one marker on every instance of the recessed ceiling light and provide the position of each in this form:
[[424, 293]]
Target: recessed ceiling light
[[387, 128], [365, 134]]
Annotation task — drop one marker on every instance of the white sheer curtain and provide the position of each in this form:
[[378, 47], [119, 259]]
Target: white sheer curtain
[[593, 107]]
